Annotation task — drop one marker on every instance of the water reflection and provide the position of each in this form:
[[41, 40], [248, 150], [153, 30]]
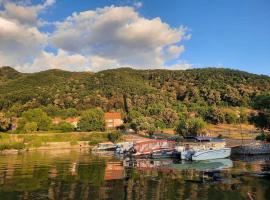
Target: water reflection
[[81, 175]]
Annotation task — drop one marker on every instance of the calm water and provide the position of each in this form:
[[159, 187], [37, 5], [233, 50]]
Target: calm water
[[82, 175]]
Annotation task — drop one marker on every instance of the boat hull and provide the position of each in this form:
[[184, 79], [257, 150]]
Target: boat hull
[[211, 154]]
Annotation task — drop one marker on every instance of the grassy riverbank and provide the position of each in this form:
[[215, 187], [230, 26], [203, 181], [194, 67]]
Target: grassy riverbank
[[35, 140]]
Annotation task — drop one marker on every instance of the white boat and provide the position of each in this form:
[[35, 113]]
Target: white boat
[[105, 146], [211, 154], [206, 149]]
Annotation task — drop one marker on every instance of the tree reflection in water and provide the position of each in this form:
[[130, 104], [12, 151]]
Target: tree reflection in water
[[79, 175]]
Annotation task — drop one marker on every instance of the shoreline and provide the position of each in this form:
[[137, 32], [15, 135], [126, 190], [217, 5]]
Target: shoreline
[[49, 146]]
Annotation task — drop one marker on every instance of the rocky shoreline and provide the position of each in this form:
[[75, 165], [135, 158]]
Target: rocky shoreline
[[252, 149]]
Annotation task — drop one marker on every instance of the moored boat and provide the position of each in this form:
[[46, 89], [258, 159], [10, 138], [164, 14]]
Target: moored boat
[[211, 154], [205, 149], [105, 146], [154, 148]]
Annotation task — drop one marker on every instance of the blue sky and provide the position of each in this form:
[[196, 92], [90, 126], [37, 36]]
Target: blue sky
[[224, 33]]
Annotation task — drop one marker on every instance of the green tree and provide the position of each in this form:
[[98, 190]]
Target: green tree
[[92, 120], [231, 117], [190, 127], [169, 117], [262, 119], [38, 116], [142, 124], [134, 114], [52, 110], [214, 115], [261, 102], [65, 127]]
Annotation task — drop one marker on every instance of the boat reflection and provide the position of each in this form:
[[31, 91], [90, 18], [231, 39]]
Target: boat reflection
[[207, 165], [147, 163]]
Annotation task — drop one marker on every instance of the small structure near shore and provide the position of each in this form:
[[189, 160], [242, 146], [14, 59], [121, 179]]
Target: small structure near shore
[[113, 120]]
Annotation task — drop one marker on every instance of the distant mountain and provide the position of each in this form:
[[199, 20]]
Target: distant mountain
[[112, 89]]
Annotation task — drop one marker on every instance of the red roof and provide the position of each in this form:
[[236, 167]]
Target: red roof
[[113, 115]]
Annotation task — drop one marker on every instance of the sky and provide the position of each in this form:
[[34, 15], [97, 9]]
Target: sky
[[93, 35]]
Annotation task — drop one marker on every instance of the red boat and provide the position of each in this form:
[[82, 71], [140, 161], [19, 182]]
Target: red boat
[[159, 148]]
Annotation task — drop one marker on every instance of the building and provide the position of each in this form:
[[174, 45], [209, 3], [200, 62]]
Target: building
[[113, 119]]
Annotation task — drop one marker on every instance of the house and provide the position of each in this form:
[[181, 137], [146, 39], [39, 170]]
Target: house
[[113, 119]]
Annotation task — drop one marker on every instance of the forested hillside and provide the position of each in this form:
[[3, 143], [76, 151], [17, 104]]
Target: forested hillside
[[153, 93]]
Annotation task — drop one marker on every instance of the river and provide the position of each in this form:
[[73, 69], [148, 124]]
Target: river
[[70, 174]]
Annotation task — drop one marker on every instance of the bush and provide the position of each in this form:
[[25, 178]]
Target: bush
[[214, 116], [231, 117], [30, 127], [190, 127], [65, 127], [38, 116], [260, 137], [263, 137], [114, 136], [160, 124]]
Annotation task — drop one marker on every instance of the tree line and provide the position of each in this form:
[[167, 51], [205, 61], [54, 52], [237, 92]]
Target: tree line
[[148, 99]]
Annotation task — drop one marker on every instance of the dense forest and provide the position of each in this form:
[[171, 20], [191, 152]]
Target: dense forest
[[160, 96]]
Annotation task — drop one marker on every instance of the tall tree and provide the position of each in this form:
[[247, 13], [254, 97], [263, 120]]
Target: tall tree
[[92, 120]]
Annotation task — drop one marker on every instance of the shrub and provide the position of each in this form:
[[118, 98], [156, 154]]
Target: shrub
[[190, 127], [114, 136], [65, 127], [160, 124], [260, 137], [263, 137], [30, 127], [37, 116], [214, 116], [231, 117], [243, 117]]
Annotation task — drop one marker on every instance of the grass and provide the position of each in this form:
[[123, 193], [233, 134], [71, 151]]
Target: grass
[[233, 131], [21, 141]]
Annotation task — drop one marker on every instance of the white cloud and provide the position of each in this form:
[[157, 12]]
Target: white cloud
[[18, 43], [121, 35], [62, 60], [109, 37], [21, 40], [179, 65], [138, 4], [24, 14]]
